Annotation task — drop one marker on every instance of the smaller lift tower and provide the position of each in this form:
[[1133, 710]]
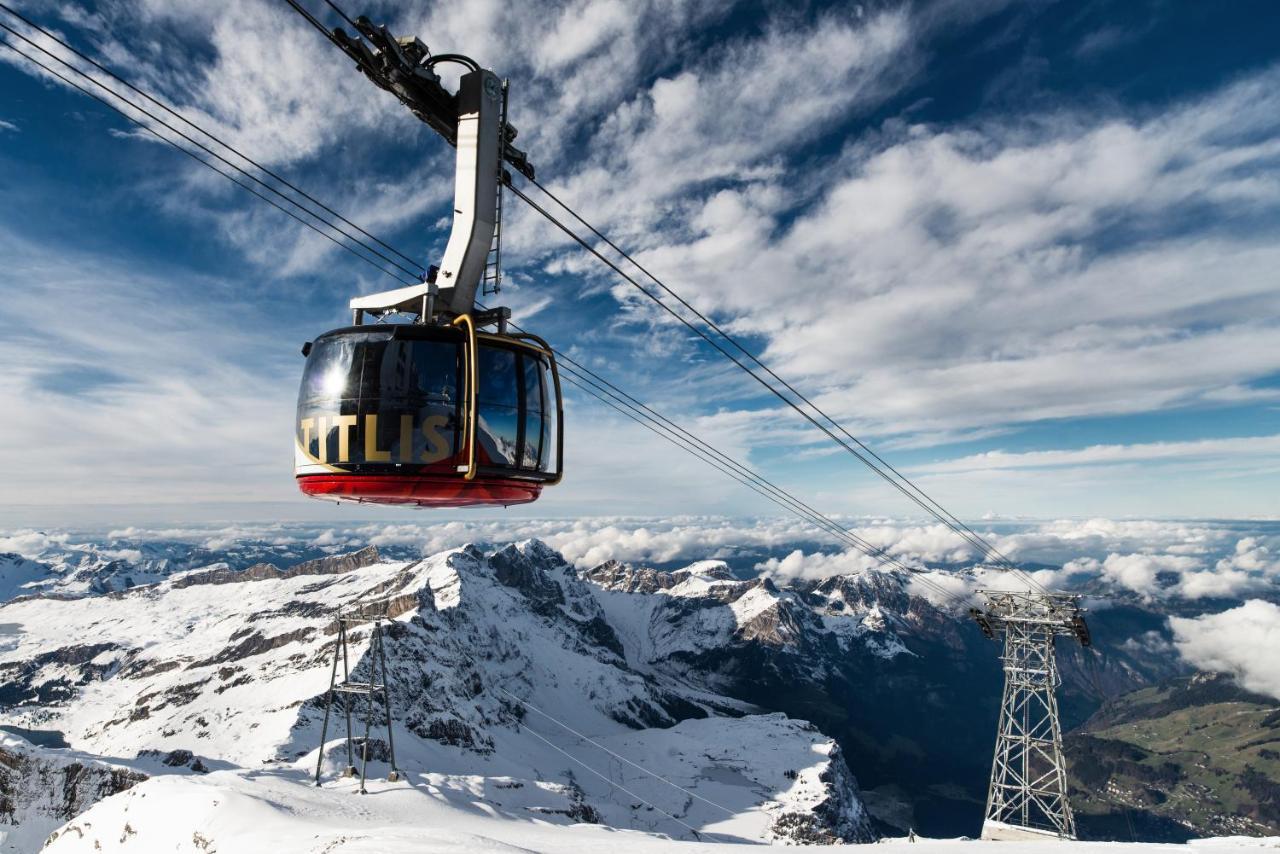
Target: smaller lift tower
[[1028, 795]]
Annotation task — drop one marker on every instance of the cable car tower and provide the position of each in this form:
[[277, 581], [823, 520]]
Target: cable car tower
[[1028, 795], [439, 411]]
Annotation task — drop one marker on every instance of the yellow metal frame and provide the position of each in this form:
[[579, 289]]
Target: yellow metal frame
[[472, 379]]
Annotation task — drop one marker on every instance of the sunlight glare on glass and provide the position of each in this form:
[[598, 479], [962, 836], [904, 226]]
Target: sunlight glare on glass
[[334, 382]]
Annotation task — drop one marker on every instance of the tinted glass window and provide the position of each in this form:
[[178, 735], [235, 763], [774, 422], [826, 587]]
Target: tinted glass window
[[388, 370], [533, 394], [435, 365], [532, 439], [498, 406], [333, 369], [499, 383], [368, 399], [549, 426], [498, 434]]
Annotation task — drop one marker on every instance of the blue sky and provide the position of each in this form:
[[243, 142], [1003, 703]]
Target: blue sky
[[1026, 250]]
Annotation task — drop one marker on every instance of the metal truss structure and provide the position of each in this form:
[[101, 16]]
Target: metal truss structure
[[373, 616], [1028, 794]]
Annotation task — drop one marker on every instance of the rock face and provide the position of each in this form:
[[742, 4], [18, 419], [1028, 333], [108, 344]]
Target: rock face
[[41, 789], [858, 655], [865, 659], [263, 571], [491, 656]]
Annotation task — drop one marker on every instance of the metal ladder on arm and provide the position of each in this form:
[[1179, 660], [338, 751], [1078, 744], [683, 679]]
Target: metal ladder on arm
[[346, 619], [491, 281]]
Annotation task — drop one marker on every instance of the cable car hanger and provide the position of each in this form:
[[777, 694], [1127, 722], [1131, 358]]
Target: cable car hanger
[[439, 411], [599, 387]]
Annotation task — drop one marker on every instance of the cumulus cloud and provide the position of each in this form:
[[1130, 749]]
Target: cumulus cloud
[[1143, 573], [986, 242], [32, 544], [798, 564], [1252, 554], [1155, 575], [1241, 641]]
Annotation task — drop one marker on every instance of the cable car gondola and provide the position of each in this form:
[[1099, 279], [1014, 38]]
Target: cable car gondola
[[433, 416], [440, 411]]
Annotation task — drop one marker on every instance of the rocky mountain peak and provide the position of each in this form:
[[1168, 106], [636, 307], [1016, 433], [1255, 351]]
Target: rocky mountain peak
[[486, 648]]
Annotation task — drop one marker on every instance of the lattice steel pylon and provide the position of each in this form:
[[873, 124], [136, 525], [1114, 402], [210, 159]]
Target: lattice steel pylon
[[1028, 794], [373, 615]]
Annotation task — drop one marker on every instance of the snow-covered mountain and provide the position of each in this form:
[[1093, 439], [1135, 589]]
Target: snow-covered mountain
[[41, 790], [91, 567], [868, 661], [754, 700], [502, 664]]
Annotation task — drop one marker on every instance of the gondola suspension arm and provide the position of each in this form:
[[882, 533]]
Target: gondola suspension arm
[[472, 121]]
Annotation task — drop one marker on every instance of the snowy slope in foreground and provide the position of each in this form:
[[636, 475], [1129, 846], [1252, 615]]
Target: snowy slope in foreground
[[488, 654], [279, 813]]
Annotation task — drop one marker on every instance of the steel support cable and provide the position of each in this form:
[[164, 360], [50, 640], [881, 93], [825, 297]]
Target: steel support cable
[[921, 499], [617, 756], [208, 134], [959, 529], [196, 158], [414, 277], [313, 20], [823, 522], [666, 424], [342, 14], [693, 448], [834, 529], [797, 507], [549, 743], [981, 542], [776, 493]]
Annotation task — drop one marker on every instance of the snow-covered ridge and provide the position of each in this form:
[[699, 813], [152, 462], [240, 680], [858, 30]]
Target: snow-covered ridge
[[40, 790], [668, 618], [229, 665]]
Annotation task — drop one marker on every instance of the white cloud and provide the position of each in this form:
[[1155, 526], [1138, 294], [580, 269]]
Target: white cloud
[[1245, 447], [137, 388], [1165, 574], [797, 564], [1241, 641], [1141, 572], [1154, 559], [9, 126], [1252, 554], [985, 292], [32, 544], [928, 283], [1148, 643], [1221, 584], [1217, 563]]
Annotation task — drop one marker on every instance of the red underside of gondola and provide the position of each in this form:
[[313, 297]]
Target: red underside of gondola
[[420, 490]]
